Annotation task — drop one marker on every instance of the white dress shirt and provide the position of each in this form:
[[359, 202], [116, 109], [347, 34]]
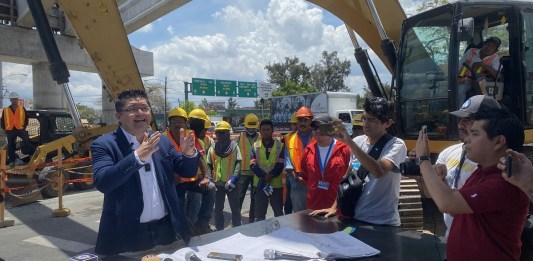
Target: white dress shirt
[[154, 207]]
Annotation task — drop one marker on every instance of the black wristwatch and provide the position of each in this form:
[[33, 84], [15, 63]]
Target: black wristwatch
[[419, 160]]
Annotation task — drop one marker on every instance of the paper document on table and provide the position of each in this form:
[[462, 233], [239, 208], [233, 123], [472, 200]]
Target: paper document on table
[[312, 246]]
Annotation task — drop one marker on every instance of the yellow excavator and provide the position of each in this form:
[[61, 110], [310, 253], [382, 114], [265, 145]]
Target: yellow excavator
[[422, 53]]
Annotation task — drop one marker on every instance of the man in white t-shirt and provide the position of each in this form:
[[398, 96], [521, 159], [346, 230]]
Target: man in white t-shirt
[[452, 165], [378, 203]]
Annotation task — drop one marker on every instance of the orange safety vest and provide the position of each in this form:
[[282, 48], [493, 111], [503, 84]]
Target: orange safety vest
[[178, 148], [296, 150], [464, 72], [245, 145], [14, 119]]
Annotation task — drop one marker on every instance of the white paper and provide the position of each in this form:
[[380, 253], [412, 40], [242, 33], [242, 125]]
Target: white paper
[[314, 246]]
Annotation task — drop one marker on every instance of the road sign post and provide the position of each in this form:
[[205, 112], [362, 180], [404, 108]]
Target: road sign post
[[247, 89], [226, 88], [264, 89], [205, 87]]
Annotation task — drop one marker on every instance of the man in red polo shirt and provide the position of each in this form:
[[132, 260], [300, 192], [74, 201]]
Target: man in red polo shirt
[[489, 213]]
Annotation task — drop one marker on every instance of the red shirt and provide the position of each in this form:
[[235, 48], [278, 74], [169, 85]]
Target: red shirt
[[493, 231], [336, 167]]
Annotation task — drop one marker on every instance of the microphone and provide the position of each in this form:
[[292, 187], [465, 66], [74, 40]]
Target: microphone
[[274, 254], [191, 256]]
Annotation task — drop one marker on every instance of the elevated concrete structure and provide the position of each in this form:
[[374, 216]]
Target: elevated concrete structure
[[21, 44]]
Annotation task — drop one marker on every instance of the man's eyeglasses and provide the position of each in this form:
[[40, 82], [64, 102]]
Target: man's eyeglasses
[[136, 109]]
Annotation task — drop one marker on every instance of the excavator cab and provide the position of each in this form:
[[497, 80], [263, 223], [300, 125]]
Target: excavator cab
[[427, 71]]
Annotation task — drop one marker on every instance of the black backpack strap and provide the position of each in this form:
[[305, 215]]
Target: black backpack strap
[[374, 152]]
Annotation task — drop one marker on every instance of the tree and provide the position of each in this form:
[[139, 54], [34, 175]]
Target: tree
[[91, 114], [329, 73], [292, 70], [188, 106], [232, 104], [266, 104], [426, 5], [205, 105], [291, 88], [156, 96], [360, 99]]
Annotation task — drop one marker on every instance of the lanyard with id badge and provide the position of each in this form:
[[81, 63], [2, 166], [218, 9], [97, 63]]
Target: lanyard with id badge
[[324, 185]]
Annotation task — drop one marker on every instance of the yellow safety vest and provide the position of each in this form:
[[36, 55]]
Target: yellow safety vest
[[223, 168], [245, 145], [14, 119], [267, 164]]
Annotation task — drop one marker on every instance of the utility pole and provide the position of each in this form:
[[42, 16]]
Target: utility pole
[[186, 84], [165, 106]]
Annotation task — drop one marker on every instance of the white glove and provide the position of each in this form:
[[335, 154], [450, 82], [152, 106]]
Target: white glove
[[268, 190]]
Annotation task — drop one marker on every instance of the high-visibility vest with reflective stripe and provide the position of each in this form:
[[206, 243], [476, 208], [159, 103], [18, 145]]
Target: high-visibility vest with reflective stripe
[[267, 164], [178, 148], [208, 142], [463, 72], [223, 168], [14, 119], [245, 145], [295, 150]]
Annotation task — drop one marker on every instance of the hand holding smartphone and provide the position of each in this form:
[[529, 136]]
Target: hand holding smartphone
[[509, 165]]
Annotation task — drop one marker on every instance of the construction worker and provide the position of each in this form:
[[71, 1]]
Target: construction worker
[[208, 141], [196, 194], [295, 147], [246, 141], [287, 204], [267, 162], [357, 125], [14, 122], [224, 162]]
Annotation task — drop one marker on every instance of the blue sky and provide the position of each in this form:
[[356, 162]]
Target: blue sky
[[228, 40]]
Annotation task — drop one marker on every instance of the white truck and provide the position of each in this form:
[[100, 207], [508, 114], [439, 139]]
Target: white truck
[[341, 105]]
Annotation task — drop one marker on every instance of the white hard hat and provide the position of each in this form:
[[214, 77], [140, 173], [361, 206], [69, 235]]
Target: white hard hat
[[13, 95]]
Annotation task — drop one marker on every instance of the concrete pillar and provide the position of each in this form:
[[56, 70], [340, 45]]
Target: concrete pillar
[[47, 94], [108, 109]]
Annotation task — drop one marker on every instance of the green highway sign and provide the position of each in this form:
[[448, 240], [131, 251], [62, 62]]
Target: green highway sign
[[205, 87], [247, 89], [226, 88]]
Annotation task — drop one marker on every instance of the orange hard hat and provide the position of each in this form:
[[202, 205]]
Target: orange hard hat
[[304, 112]]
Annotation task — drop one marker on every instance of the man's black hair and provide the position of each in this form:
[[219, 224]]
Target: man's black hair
[[502, 122], [127, 94], [267, 122], [379, 107]]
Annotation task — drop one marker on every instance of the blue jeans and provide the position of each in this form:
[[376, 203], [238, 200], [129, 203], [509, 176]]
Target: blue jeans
[[298, 194], [196, 202]]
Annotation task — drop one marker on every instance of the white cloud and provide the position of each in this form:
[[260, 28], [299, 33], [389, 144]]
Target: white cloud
[[170, 30], [146, 29]]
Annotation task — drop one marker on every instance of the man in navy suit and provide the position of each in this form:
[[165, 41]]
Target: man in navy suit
[[135, 169]]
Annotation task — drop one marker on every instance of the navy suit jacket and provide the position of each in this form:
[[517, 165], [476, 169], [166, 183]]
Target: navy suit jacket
[[116, 175]]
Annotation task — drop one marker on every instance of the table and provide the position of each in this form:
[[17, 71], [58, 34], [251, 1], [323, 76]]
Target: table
[[394, 243]]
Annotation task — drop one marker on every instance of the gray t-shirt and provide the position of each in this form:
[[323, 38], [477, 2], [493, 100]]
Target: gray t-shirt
[[378, 203]]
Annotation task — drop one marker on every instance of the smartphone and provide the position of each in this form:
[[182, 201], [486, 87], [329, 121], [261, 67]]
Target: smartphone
[[326, 129], [509, 165], [224, 256], [424, 129]]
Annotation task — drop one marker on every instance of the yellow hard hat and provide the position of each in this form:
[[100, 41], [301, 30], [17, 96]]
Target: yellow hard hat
[[357, 120], [207, 123], [222, 126], [251, 121], [198, 114], [294, 118], [177, 112]]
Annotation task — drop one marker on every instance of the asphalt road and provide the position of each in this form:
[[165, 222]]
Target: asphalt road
[[37, 235]]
